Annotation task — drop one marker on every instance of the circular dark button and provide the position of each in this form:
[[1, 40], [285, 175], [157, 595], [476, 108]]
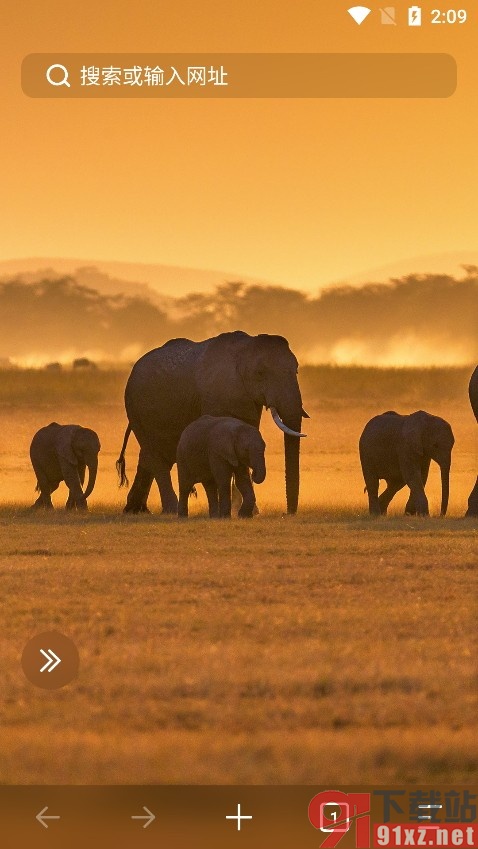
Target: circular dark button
[[50, 660]]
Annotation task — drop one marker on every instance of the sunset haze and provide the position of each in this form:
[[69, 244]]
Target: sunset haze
[[298, 192]]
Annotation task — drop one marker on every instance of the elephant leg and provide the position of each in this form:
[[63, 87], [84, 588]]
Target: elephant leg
[[169, 500], [371, 485], [73, 501], [393, 486], [81, 473], [76, 497], [237, 500], [417, 494], [224, 492], [183, 509], [46, 487], [425, 470], [212, 498], [76, 503], [473, 501], [410, 507], [244, 485], [222, 472], [43, 502], [137, 500], [185, 486]]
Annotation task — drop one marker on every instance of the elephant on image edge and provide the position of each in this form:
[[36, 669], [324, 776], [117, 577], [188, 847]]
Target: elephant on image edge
[[473, 393]]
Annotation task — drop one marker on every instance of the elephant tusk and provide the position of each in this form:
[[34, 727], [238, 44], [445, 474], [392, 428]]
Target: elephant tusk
[[304, 414], [280, 424]]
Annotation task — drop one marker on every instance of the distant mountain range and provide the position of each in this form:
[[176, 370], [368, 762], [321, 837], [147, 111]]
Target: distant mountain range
[[151, 282], [159, 283], [450, 263]]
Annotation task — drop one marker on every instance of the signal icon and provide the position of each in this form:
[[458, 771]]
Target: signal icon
[[359, 13]]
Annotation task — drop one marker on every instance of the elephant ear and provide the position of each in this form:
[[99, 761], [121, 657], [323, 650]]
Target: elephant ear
[[219, 382], [412, 434], [64, 446]]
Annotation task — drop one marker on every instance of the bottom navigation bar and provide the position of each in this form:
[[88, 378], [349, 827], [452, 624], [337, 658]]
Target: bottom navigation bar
[[194, 817]]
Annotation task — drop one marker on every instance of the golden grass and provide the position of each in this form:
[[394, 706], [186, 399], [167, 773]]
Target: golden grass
[[334, 383], [326, 647]]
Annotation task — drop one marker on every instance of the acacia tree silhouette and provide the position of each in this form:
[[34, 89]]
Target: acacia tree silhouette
[[433, 312]]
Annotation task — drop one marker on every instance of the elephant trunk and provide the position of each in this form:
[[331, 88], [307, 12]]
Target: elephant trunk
[[92, 471], [259, 469], [445, 487], [287, 411], [292, 451]]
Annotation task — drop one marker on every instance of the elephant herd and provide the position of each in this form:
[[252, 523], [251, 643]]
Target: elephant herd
[[199, 404]]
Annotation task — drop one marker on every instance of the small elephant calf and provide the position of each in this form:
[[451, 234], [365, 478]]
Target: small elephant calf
[[399, 450], [211, 451], [62, 453]]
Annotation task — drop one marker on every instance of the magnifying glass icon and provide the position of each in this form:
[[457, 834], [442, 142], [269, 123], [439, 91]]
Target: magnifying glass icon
[[64, 78]]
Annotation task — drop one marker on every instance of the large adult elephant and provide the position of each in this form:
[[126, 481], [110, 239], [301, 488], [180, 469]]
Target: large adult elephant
[[232, 374], [473, 391]]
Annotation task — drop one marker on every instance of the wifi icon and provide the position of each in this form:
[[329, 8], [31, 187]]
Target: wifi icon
[[359, 13]]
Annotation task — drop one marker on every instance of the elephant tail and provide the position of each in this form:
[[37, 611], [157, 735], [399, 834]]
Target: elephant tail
[[121, 462], [37, 488]]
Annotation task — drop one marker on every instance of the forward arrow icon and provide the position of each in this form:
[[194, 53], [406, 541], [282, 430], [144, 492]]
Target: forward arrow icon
[[52, 660], [149, 817]]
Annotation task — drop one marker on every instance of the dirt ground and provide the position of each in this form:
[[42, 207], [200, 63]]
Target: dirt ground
[[326, 647]]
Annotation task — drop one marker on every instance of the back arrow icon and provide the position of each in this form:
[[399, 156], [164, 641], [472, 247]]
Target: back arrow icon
[[41, 817], [51, 657], [149, 817]]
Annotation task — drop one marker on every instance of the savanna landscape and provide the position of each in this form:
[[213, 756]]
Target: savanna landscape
[[327, 646]]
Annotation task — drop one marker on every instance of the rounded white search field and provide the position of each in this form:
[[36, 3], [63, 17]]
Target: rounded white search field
[[239, 75], [64, 75]]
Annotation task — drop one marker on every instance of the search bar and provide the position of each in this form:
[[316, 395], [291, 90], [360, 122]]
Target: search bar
[[232, 75]]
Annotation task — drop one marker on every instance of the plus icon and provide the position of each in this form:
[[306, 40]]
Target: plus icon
[[238, 817]]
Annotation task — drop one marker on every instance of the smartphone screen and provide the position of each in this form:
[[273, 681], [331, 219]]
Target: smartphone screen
[[239, 329]]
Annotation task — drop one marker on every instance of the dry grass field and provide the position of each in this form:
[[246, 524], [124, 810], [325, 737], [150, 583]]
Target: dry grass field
[[328, 647]]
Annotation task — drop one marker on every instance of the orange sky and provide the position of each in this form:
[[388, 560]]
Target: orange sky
[[298, 192]]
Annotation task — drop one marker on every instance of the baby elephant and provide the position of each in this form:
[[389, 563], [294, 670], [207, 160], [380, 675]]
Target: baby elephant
[[399, 449], [211, 450], [62, 453]]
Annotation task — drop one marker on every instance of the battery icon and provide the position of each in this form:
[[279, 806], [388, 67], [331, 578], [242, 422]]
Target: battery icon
[[414, 16]]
